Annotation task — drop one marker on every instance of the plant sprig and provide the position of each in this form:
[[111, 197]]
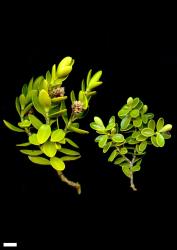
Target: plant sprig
[[128, 139], [47, 119]]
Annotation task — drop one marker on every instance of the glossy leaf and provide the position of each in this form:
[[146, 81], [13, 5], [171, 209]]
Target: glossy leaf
[[154, 141], [98, 121], [57, 135], [125, 122], [144, 118], [83, 85], [72, 96], [166, 135], [22, 100], [123, 151], [166, 128], [71, 143], [134, 113], [49, 149], [107, 147], [160, 140], [24, 124], [126, 169], [57, 163], [94, 81], [31, 152], [95, 126], [36, 103], [12, 127], [147, 132], [151, 124], [98, 138], [118, 138], [137, 167], [78, 130], [70, 158], [145, 109], [27, 109], [119, 160], [130, 101], [103, 140], [69, 151], [44, 99], [110, 126], [17, 105], [141, 138], [135, 134], [89, 76], [37, 82], [39, 160], [83, 99], [160, 124], [35, 121], [58, 99], [33, 139], [137, 122], [25, 144], [112, 120], [143, 146], [113, 155], [43, 133], [135, 102], [124, 111]]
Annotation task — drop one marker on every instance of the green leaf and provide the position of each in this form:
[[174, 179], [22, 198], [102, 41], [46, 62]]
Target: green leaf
[[160, 124], [131, 140], [72, 96], [166, 128], [70, 158], [57, 163], [137, 122], [119, 160], [36, 103], [125, 122], [126, 169], [135, 134], [151, 124], [49, 149], [25, 89], [35, 121], [53, 114], [25, 144], [135, 102], [89, 76], [150, 115], [57, 135], [58, 99], [31, 152], [12, 127], [141, 138], [44, 100], [103, 140], [107, 147], [95, 126], [98, 121], [39, 160], [144, 118], [94, 81], [160, 140], [142, 146], [124, 111], [64, 115], [147, 132], [123, 151], [134, 113], [113, 155], [22, 100], [83, 85], [112, 120], [24, 124], [137, 167], [71, 143], [139, 105], [130, 101], [110, 126], [118, 138], [43, 133], [33, 139], [17, 105], [37, 82], [145, 108], [54, 73], [78, 130], [69, 151], [83, 99], [98, 138], [48, 76], [154, 141], [166, 135], [27, 109]]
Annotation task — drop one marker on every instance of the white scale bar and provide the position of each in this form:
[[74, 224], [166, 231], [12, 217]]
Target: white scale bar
[[10, 244]]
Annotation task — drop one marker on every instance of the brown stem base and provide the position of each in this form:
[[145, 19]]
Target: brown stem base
[[73, 184]]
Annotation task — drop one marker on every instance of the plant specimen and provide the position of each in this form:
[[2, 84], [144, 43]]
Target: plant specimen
[[128, 139], [48, 121]]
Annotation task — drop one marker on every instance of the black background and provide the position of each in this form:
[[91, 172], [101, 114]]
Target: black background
[[126, 45]]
